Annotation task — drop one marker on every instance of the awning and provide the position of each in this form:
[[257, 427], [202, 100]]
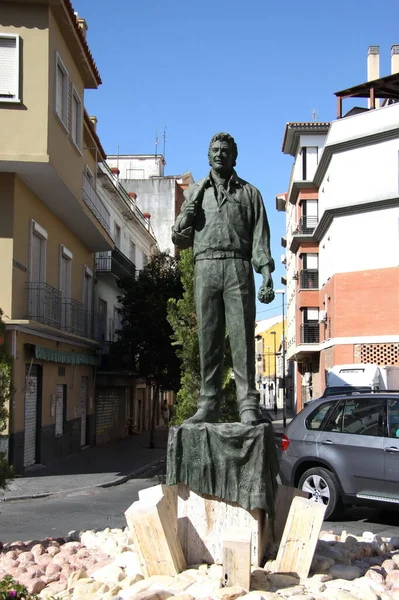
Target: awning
[[69, 358]]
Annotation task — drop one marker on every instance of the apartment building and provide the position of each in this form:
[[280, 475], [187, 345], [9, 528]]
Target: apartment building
[[120, 399], [342, 234], [159, 196], [49, 228]]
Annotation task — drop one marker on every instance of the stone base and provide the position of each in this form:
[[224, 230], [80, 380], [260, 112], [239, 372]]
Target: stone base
[[201, 521], [227, 461]]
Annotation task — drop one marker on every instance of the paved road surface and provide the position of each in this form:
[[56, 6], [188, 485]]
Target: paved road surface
[[100, 508]]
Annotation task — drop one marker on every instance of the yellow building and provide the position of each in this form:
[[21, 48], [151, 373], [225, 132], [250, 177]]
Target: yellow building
[[269, 335], [51, 223]]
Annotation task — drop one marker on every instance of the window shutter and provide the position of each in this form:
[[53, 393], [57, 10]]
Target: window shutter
[[60, 91], [8, 67], [36, 260], [70, 106]]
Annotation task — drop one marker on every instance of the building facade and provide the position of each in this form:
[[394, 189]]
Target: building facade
[[159, 196], [49, 230], [342, 240]]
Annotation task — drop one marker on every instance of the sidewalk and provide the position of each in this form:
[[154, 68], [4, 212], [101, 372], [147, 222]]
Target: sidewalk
[[97, 466]]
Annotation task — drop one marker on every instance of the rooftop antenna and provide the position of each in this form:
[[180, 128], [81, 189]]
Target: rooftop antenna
[[117, 157], [156, 144], [164, 144], [314, 115]]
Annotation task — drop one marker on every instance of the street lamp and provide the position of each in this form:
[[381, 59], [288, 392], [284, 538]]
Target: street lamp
[[274, 334], [282, 292]]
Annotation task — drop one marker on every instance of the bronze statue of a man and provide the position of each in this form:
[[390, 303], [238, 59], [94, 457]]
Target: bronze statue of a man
[[223, 217]]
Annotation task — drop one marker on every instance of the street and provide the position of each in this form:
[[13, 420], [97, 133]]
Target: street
[[98, 508]]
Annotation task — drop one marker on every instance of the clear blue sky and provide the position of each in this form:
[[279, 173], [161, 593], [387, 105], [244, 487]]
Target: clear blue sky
[[242, 66]]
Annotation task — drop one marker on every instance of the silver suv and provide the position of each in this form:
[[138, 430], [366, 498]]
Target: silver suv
[[344, 450]]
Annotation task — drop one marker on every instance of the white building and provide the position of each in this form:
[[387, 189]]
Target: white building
[[159, 197], [342, 235]]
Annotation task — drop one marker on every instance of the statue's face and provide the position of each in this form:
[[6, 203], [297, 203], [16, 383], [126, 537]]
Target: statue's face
[[221, 157]]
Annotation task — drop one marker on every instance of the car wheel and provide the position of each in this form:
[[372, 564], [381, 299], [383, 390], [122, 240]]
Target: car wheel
[[323, 487]]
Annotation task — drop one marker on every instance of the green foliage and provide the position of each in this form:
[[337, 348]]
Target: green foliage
[[10, 589], [144, 343], [6, 472], [181, 316]]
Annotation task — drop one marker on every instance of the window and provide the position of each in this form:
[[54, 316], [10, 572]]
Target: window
[[76, 119], [65, 285], [145, 260], [132, 252], [393, 418], [117, 235], [9, 68], [61, 91], [37, 272], [317, 417], [363, 416], [87, 299]]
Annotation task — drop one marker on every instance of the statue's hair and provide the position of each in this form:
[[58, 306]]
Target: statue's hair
[[224, 137]]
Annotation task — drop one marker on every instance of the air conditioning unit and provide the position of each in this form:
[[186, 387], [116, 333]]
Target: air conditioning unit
[[322, 316]]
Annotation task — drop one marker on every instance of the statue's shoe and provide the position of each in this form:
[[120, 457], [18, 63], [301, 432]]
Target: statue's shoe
[[249, 417], [203, 415]]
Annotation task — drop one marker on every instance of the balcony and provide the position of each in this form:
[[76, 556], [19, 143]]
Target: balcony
[[115, 262], [303, 232], [310, 333], [309, 279], [46, 305], [96, 205]]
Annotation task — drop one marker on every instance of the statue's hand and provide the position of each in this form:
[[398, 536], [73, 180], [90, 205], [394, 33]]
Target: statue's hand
[[266, 292]]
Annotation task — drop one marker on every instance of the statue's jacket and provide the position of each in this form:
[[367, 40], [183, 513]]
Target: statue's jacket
[[229, 224]]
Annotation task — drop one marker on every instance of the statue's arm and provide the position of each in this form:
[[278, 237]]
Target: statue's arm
[[183, 229], [261, 255]]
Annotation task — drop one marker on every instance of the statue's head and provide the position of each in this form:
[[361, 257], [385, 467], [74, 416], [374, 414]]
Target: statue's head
[[222, 153]]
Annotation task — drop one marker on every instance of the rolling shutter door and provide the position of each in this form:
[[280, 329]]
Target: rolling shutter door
[[110, 414], [31, 397]]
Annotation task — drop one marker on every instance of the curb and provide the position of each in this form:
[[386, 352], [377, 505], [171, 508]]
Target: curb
[[132, 474], [115, 482]]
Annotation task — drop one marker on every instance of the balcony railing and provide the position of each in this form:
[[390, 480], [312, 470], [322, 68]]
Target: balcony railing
[[309, 279], [307, 225], [96, 205], [310, 333], [115, 262], [46, 305]]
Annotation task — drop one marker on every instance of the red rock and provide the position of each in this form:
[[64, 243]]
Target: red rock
[[38, 549], [9, 564], [392, 578], [34, 571], [52, 569], [83, 553], [374, 575], [25, 557], [43, 560], [35, 586], [389, 565], [12, 554], [53, 550]]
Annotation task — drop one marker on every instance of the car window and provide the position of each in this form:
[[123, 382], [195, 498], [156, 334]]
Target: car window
[[316, 418], [363, 416], [335, 419], [393, 418]]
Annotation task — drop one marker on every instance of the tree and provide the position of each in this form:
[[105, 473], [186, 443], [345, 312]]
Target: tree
[[181, 316], [6, 472], [144, 342]]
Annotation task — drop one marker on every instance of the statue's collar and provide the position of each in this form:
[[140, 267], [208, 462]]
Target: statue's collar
[[234, 180]]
